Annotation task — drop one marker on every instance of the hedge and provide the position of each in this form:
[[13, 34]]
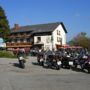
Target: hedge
[[7, 54]]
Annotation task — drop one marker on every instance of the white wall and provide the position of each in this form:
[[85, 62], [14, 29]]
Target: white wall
[[46, 40], [62, 35]]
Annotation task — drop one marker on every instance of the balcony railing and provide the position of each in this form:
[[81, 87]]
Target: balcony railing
[[19, 36], [16, 45]]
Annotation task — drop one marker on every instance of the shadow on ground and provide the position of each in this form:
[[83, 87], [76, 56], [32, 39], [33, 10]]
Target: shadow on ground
[[16, 65], [35, 63], [80, 70]]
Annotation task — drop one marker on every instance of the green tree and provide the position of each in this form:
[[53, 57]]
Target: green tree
[[4, 25], [81, 40]]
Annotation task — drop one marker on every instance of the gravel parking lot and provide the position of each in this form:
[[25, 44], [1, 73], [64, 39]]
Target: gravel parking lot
[[34, 77]]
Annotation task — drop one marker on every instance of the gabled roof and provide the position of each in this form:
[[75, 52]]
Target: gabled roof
[[49, 27]]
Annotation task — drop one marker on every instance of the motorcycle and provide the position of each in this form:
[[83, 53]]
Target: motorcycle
[[47, 61], [52, 62], [21, 62], [83, 62], [66, 62], [73, 61], [86, 64], [58, 60], [40, 58]]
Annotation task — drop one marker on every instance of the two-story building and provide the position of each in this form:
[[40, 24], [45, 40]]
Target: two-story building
[[48, 36]]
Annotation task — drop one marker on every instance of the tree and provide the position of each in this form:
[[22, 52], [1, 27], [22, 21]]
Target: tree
[[4, 25], [81, 40]]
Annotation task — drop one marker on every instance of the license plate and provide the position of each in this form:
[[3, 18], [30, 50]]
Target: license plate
[[70, 63], [21, 58], [89, 63], [85, 57], [41, 60], [68, 56], [59, 62], [45, 64]]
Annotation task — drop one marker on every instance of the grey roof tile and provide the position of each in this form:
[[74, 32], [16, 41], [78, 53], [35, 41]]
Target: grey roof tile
[[49, 27]]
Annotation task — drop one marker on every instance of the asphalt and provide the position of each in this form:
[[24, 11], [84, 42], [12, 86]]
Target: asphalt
[[35, 77]]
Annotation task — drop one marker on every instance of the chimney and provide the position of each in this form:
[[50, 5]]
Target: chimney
[[16, 26]]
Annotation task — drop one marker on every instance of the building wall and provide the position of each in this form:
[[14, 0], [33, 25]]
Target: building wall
[[58, 37], [45, 40]]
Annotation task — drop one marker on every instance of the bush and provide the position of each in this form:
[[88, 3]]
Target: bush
[[7, 54]]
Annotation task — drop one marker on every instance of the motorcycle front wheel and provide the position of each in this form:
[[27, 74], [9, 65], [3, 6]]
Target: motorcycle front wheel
[[22, 65], [57, 67]]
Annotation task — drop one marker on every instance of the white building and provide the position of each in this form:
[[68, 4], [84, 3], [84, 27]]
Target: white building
[[48, 36], [55, 39]]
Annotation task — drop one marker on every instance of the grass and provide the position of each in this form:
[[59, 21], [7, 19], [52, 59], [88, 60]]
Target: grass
[[7, 54]]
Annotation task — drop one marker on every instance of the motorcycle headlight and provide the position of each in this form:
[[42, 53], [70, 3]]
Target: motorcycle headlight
[[21, 58], [89, 63]]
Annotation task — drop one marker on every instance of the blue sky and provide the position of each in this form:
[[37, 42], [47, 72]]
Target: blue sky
[[75, 14]]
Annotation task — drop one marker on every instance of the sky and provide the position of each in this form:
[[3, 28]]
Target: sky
[[75, 14]]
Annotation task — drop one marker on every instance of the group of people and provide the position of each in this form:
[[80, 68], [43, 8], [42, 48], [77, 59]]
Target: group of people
[[24, 51]]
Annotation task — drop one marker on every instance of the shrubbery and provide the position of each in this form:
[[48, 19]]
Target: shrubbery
[[81, 40], [7, 54]]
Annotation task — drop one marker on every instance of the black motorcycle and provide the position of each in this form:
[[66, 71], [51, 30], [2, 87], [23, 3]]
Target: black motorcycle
[[40, 58], [58, 60], [66, 61], [51, 61], [86, 63], [21, 62], [83, 62], [21, 59]]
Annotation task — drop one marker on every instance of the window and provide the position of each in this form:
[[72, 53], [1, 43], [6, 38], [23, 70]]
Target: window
[[21, 40], [58, 32], [57, 39], [25, 40], [38, 39], [16, 40], [61, 41], [48, 39]]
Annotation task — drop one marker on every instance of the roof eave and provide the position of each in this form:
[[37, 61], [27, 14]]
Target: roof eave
[[64, 27]]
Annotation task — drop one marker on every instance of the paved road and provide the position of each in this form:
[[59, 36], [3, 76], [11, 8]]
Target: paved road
[[34, 77]]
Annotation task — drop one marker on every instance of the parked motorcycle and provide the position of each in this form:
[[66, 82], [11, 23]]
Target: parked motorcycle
[[47, 61], [21, 61], [58, 60], [86, 63], [40, 58], [66, 61], [83, 62], [52, 61], [21, 58]]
